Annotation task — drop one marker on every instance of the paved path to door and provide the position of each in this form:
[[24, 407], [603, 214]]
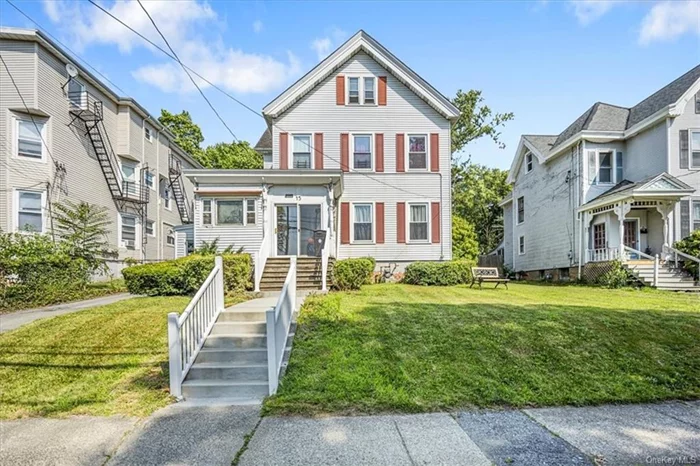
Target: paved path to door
[[17, 319]]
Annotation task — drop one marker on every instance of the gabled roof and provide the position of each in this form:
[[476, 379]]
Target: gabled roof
[[542, 143], [661, 185], [265, 141], [600, 117], [362, 42]]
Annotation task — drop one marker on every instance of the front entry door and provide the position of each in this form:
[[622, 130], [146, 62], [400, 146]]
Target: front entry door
[[630, 235], [295, 228]]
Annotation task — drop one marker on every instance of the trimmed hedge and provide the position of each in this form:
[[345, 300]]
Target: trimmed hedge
[[184, 276], [439, 273], [351, 274]]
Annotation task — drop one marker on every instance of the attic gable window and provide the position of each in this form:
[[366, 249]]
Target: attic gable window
[[361, 90], [697, 102], [528, 161]]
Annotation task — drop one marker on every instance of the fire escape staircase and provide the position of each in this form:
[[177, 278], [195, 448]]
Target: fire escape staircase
[[177, 187], [88, 109]]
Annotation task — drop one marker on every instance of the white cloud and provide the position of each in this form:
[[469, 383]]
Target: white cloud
[[191, 27], [588, 11], [323, 45], [257, 26], [669, 20]]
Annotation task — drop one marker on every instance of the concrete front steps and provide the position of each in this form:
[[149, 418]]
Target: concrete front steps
[[232, 364], [670, 278], [309, 273]]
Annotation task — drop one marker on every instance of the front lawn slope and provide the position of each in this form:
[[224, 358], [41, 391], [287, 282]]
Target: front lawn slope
[[400, 348]]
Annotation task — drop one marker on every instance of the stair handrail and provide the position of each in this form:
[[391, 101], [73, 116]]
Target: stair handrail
[[626, 248], [111, 156], [260, 260], [188, 332], [325, 254], [670, 251], [278, 322]]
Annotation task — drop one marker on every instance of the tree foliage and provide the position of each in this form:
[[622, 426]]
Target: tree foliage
[[476, 191], [476, 120], [464, 241], [691, 246], [188, 134], [234, 155]]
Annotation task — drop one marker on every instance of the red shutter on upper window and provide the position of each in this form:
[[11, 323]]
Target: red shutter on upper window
[[318, 151], [284, 151], [340, 90], [379, 152], [434, 152], [344, 152], [381, 98], [400, 154], [344, 223], [435, 222], [400, 222], [379, 214]]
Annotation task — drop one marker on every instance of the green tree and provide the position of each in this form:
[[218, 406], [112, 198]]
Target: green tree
[[476, 120], [235, 155], [83, 228], [464, 242], [476, 191], [188, 134]]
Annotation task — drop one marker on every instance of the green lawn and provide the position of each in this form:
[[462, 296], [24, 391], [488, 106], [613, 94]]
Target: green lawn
[[409, 349]]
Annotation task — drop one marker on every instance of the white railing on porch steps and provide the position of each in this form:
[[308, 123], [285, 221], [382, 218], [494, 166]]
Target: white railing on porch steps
[[279, 321], [672, 255], [628, 253], [260, 259], [188, 331]]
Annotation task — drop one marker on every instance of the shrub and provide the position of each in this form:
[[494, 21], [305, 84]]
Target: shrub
[[184, 276], [616, 277], [439, 273], [690, 245], [351, 274]]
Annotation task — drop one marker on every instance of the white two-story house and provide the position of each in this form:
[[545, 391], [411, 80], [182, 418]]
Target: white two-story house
[[618, 183], [359, 165], [65, 136]]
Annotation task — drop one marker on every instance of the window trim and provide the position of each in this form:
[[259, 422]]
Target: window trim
[[361, 90], [210, 212], [371, 151], [408, 223], [153, 233], [215, 212], [148, 134], [120, 224], [613, 166], [290, 152], [167, 201], [521, 250], [246, 211], [517, 210], [407, 150], [43, 137], [16, 210], [693, 220], [373, 228], [691, 166], [604, 223], [152, 187], [172, 228]]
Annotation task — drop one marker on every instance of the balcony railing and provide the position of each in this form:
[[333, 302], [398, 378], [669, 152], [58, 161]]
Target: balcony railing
[[603, 254], [85, 104], [136, 192]]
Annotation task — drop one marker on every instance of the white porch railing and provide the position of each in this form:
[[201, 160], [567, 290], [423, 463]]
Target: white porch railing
[[603, 254], [260, 260], [628, 253], [673, 255], [188, 331], [279, 321]]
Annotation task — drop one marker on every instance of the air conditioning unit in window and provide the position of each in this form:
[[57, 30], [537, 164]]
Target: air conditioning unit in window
[[129, 243]]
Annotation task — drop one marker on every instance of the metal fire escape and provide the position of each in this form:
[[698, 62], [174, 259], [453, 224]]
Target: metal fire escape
[[177, 187], [127, 195]]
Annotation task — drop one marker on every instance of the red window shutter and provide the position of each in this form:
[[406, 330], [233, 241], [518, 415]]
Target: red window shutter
[[381, 97], [340, 90], [379, 214], [434, 152], [400, 222], [379, 152], [284, 151], [344, 223], [400, 153], [435, 222], [344, 152], [318, 151]]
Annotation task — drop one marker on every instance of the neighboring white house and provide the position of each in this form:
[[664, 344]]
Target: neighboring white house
[[617, 183], [359, 151], [66, 136]]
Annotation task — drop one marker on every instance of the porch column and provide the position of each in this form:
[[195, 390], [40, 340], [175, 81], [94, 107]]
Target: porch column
[[331, 218], [263, 205], [587, 218], [621, 210], [665, 209]]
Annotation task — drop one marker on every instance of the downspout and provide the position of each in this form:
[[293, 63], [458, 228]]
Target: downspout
[[156, 184], [140, 183], [442, 242]]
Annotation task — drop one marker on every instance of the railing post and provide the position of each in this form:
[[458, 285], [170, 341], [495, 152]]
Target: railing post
[[271, 351], [219, 263], [174, 350], [257, 275], [656, 270]]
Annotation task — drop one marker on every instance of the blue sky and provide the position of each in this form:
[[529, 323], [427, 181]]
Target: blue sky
[[546, 61]]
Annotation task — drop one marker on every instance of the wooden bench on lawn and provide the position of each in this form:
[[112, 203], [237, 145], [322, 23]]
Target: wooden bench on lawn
[[487, 275]]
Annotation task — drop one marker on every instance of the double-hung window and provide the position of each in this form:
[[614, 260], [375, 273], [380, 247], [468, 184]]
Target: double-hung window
[[30, 213], [29, 143], [362, 152], [694, 149], [206, 211], [418, 222], [150, 228], [148, 179], [362, 222], [229, 212], [353, 90], [528, 161], [301, 151], [521, 210], [250, 211], [417, 151], [128, 231], [605, 165], [521, 245], [148, 134], [696, 215], [368, 91], [170, 237]]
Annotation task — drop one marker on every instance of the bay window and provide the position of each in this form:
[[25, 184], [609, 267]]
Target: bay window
[[362, 152], [418, 222], [417, 151], [362, 222]]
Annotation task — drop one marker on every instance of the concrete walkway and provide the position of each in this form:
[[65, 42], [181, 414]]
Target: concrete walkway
[[17, 319]]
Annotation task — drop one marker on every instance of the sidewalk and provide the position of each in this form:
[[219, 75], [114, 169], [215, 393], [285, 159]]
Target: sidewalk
[[14, 320]]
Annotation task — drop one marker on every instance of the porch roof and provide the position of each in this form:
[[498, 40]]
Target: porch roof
[[247, 178], [661, 187]]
